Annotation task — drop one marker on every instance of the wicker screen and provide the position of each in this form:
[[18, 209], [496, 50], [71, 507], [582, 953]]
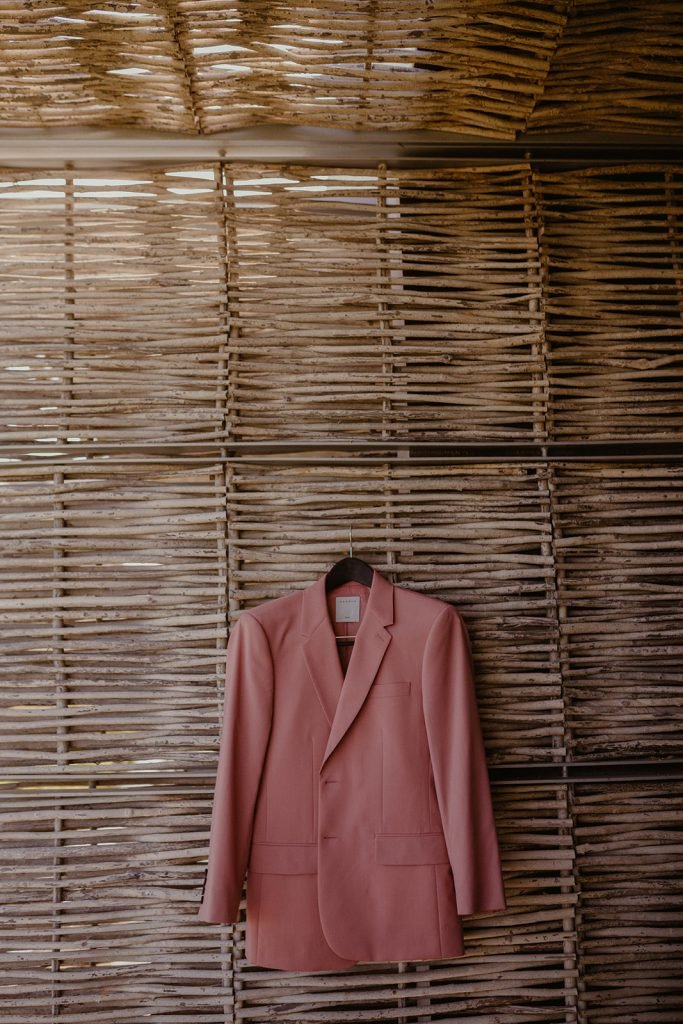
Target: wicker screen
[[211, 372]]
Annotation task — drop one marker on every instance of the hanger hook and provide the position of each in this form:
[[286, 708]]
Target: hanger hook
[[350, 544]]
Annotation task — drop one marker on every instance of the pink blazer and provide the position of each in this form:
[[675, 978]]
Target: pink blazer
[[356, 801]]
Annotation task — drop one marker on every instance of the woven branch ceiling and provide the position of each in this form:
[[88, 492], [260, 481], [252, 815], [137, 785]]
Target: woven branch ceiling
[[471, 66]]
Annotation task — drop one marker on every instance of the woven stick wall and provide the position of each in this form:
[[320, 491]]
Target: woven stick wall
[[485, 67], [152, 320]]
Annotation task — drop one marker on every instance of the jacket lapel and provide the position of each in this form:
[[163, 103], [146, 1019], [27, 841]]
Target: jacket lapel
[[342, 696]]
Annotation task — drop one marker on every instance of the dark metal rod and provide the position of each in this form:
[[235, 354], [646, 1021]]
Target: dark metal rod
[[540, 774], [339, 451], [571, 772]]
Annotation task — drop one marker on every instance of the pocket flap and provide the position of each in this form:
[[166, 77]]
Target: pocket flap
[[400, 688], [410, 848], [284, 858]]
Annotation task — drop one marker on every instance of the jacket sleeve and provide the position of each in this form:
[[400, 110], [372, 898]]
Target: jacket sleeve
[[247, 715], [458, 759]]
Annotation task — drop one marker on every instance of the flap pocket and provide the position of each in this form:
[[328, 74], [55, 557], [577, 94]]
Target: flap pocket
[[410, 848], [284, 858], [400, 688]]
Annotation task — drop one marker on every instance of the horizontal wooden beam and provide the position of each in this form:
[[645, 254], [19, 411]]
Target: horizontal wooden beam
[[97, 147]]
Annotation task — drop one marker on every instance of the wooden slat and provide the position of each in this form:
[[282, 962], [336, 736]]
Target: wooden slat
[[619, 559], [399, 301], [472, 304], [113, 305], [472, 66], [613, 300], [481, 67], [617, 67], [629, 849]]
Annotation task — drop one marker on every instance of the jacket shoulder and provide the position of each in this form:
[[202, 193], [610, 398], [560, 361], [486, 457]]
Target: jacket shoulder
[[426, 606]]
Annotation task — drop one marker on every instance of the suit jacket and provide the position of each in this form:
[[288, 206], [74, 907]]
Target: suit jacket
[[355, 798]]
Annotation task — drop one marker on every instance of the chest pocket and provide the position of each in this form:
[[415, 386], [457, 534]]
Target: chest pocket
[[400, 688]]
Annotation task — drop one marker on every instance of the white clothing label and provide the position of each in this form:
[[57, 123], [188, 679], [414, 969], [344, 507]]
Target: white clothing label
[[348, 609]]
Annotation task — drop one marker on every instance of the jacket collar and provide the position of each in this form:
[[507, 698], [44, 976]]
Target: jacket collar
[[342, 696]]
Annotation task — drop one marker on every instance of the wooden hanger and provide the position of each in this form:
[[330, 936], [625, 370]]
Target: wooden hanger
[[348, 569]]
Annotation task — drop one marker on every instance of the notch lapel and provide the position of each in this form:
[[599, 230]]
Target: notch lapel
[[342, 696]]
